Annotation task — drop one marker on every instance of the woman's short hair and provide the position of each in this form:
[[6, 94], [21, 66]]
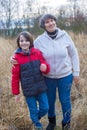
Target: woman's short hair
[[44, 17]]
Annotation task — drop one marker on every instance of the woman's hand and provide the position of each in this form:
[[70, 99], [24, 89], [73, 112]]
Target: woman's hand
[[13, 61], [76, 80], [43, 67], [17, 98]]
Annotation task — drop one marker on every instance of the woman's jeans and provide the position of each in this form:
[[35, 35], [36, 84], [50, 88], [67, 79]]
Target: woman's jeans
[[38, 106], [64, 88]]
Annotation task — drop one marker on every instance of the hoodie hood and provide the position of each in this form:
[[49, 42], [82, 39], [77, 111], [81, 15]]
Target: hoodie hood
[[60, 33], [19, 51]]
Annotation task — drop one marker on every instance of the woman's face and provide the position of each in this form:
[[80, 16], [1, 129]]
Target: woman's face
[[50, 25], [24, 43]]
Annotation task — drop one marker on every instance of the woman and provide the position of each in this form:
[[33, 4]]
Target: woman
[[60, 52]]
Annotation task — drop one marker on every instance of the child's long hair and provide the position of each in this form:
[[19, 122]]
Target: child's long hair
[[28, 37]]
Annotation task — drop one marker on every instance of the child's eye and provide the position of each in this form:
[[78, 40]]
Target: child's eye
[[21, 41], [24, 41]]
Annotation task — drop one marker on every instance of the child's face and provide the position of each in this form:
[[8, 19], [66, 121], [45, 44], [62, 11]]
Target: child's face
[[24, 43]]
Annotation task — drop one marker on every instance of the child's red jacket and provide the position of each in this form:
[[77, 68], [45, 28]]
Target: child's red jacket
[[28, 72]]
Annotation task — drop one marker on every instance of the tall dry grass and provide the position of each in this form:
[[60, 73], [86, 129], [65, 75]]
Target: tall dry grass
[[15, 116]]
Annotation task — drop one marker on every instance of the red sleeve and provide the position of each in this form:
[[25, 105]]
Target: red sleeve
[[43, 61], [15, 79]]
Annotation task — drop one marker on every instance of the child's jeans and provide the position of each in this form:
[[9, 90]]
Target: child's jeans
[[38, 106]]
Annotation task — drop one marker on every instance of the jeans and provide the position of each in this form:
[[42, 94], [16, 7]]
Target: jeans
[[38, 106], [64, 88]]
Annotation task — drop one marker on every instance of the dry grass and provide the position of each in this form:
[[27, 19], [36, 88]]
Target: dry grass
[[15, 116]]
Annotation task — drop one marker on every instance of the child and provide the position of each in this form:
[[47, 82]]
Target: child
[[28, 71]]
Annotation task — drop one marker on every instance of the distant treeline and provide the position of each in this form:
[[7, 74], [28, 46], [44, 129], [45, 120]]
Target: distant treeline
[[76, 25]]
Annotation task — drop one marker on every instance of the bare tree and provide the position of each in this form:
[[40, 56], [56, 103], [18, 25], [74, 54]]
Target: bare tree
[[78, 18], [74, 6], [28, 10], [8, 11]]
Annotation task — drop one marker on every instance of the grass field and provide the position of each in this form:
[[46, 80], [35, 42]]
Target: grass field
[[15, 116]]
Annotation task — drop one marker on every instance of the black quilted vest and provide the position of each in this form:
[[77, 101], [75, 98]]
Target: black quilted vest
[[32, 80]]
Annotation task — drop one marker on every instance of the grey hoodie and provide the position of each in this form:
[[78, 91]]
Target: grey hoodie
[[60, 53]]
